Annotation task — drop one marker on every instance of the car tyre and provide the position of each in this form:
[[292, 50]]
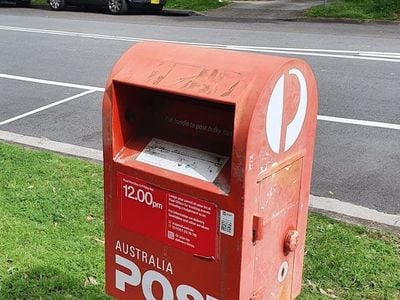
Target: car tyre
[[117, 7], [57, 4], [23, 3]]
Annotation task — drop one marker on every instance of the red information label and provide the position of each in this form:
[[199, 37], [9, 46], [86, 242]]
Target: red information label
[[177, 220]]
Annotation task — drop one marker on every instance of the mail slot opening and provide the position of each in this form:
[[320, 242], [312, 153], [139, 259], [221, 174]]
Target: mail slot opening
[[182, 132]]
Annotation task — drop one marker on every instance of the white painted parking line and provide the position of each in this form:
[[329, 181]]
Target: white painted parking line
[[327, 204], [98, 89], [50, 82], [359, 122], [330, 53], [46, 107], [324, 53]]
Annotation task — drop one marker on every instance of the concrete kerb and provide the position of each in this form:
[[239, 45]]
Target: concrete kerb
[[355, 214], [343, 211], [53, 146], [205, 17], [180, 13], [344, 20], [297, 19], [356, 221]]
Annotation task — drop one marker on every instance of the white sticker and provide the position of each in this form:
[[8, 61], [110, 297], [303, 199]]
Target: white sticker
[[227, 222], [184, 160]]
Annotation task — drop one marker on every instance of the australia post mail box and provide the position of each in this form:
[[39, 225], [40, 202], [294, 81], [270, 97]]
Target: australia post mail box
[[207, 167]]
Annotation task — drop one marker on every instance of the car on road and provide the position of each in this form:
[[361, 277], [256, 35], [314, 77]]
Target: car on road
[[115, 7]]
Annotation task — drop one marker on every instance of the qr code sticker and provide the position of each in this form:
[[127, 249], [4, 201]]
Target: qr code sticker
[[227, 222], [171, 235]]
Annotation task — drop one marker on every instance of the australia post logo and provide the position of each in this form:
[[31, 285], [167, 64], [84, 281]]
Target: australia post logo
[[130, 279], [275, 124]]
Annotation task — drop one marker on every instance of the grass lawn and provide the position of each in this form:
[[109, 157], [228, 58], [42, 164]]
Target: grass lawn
[[196, 5], [51, 238], [358, 9], [38, 2]]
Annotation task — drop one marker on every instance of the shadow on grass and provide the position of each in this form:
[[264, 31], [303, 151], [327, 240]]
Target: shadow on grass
[[47, 283]]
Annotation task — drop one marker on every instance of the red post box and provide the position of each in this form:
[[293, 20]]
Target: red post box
[[207, 168]]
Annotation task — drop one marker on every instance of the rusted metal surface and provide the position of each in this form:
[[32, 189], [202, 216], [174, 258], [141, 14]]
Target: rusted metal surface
[[291, 241]]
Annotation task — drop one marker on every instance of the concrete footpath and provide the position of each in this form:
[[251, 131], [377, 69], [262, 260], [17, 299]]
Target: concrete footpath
[[264, 9]]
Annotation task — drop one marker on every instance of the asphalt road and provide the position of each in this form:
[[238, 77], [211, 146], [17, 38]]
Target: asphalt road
[[353, 163]]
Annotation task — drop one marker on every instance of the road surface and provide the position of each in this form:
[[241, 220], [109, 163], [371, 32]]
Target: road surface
[[357, 157]]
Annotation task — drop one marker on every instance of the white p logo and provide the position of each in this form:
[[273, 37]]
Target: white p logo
[[273, 122], [121, 278]]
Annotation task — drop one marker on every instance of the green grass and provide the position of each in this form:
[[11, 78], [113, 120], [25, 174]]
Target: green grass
[[196, 5], [38, 2], [51, 232], [51, 226], [352, 261], [358, 9]]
